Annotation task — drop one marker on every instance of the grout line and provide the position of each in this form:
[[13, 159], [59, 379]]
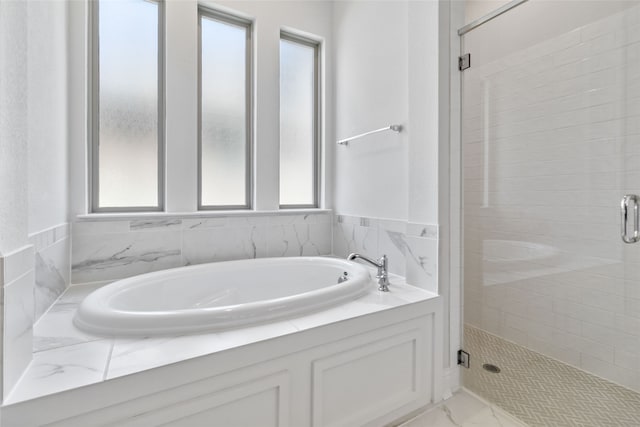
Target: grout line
[[75, 344], [56, 301], [108, 365], [16, 384]]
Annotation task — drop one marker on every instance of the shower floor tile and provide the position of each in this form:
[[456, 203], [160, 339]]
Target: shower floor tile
[[463, 410], [542, 391]]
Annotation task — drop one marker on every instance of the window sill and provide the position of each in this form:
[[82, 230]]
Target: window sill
[[115, 216]]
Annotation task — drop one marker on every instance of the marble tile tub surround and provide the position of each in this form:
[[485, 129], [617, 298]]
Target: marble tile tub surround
[[52, 266], [17, 279], [117, 248], [65, 357], [412, 248]]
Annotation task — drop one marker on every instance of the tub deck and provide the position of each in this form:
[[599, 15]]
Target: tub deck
[[66, 358]]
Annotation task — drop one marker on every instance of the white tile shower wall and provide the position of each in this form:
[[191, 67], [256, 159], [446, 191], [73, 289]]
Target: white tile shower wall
[[110, 250], [412, 248], [550, 145], [17, 306], [52, 266]]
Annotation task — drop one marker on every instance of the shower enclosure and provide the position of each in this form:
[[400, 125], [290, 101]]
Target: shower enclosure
[[550, 145]]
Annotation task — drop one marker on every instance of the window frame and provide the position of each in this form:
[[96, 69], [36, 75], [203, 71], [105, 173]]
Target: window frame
[[227, 18], [93, 106], [317, 118]]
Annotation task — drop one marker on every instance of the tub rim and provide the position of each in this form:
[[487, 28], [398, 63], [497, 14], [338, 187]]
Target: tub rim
[[93, 313]]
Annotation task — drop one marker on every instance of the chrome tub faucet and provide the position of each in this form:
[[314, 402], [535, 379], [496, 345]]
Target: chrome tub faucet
[[383, 269]]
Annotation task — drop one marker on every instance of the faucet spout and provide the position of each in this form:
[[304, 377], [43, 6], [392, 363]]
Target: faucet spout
[[382, 264]]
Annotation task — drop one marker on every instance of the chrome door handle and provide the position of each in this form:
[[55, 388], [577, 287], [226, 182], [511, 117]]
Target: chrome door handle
[[624, 214]]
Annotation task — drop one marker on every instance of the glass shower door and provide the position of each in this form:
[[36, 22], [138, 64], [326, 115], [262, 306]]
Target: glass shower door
[[550, 145]]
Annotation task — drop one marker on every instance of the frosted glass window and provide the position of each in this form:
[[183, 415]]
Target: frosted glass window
[[127, 99], [298, 122], [224, 113]]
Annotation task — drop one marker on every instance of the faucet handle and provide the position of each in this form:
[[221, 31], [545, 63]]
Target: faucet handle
[[383, 274], [384, 262]]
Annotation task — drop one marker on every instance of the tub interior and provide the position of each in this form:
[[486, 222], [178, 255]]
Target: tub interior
[[226, 287]]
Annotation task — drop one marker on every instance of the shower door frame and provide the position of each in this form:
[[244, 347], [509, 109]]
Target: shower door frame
[[452, 257]]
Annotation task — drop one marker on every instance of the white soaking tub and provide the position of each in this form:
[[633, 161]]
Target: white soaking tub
[[220, 295]]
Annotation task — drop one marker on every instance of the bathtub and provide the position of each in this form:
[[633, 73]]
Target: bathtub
[[220, 295], [294, 371]]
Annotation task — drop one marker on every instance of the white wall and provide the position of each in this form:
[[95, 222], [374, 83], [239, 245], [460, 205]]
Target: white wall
[[428, 92], [47, 115], [475, 9], [33, 120], [371, 92], [389, 182], [13, 125], [16, 259], [388, 77]]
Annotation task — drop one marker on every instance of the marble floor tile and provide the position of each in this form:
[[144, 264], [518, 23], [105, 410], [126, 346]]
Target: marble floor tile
[[463, 410]]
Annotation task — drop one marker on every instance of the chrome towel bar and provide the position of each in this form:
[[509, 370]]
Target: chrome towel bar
[[395, 128]]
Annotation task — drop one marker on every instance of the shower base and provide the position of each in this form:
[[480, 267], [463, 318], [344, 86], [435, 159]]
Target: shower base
[[541, 391]]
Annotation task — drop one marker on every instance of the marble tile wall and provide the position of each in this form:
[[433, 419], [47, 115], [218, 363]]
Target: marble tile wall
[[422, 256], [52, 266], [412, 248], [111, 250], [17, 278]]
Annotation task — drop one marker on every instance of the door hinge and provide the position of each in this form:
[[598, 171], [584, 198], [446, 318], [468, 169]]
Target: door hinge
[[463, 358], [464, 61]]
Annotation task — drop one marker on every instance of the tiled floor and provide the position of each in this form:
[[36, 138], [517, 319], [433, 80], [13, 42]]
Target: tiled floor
[[542, 391], [463, 410]]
